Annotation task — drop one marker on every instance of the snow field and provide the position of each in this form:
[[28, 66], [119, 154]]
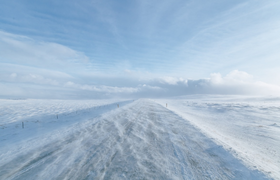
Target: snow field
[[247, 127], [139, 140], [18, 110], [45, 126]]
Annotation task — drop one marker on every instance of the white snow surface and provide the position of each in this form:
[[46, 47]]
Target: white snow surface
[[248, 127], [18, 110], [194, 137]]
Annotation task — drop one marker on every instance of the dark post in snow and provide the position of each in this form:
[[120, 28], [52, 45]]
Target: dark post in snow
[[118, 105], [22, 124], [166, 104]]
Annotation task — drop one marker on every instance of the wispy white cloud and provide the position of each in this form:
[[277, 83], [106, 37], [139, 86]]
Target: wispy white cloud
[[23, 50], [14, 73], [243, 37], [140, 48], [101, 88]]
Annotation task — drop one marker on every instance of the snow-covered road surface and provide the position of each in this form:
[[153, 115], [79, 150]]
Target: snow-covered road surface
[[142, 140]]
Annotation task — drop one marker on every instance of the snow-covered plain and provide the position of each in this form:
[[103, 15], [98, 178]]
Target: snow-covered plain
[[248, 127], [195, 137]]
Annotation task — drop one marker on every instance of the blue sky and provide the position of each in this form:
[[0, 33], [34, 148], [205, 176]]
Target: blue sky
[[139, 47]]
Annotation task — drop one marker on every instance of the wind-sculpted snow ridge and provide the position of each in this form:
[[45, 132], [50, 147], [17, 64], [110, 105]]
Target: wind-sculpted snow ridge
[[141, 140], [248, 127]]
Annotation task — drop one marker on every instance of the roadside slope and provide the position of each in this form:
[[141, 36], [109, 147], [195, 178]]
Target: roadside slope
[[247, 127]]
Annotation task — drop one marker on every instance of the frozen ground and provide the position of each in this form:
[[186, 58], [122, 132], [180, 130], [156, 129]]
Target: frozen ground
[[140, 140]]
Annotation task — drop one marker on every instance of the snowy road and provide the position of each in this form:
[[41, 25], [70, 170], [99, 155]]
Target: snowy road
[[142, 140]]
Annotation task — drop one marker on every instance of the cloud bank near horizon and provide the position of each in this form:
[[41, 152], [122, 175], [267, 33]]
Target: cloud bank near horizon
[[38, 83], [50, 70]]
